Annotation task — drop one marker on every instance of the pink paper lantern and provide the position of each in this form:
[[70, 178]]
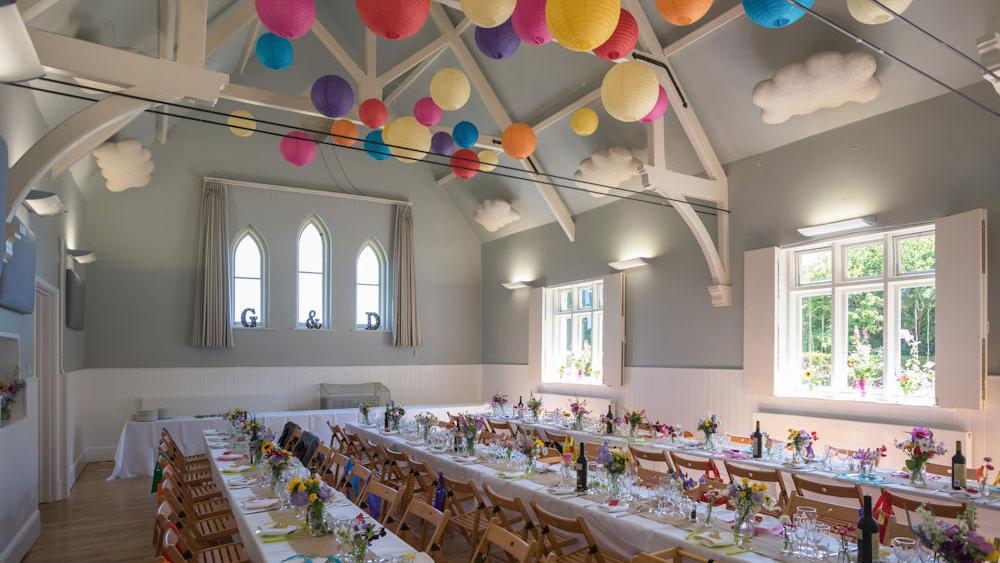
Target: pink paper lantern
[[298, 148], [290, 19], [659, 109], [529, 22], [427, 112]]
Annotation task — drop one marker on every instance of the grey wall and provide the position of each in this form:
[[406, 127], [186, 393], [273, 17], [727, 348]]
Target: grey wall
[[915, 164], [146, 237]]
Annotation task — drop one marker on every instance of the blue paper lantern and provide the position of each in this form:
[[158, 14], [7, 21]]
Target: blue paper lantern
[[274, 52], [332, 95], [774, 13], [374, 146], [498, 42], [466, 134], [442, 143]]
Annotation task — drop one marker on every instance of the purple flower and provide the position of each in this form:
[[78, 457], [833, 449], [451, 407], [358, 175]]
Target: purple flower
[[299, 498], [604, 454]]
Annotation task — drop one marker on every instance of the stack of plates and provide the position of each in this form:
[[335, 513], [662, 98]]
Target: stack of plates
[[145, 416]]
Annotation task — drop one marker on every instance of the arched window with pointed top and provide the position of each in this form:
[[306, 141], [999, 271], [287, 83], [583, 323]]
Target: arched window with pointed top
[[249, 282], [313, 272], [371, 289]]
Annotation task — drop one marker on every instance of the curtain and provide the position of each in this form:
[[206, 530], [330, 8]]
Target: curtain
[[405, 324], [212, 328]]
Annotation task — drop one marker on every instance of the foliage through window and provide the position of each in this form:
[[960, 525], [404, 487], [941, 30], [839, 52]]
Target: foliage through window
[[861, 313], [313, 264], [574, 323], [248, 277], [370, 295]]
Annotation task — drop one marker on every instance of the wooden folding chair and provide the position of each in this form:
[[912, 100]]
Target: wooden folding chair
[[420, 481], [396, 469], [293, 439], [431, 520], [338, 442], [336, 471], [849, 493], [514, 547], [657, 459], [321, 459], [910, 505], [200, 532], [945, 470], [739, 439], [503, 426], [468, 509], [174, 545], [554, 439], [672, 555], [486, 438], [695, 466], [196, 510], [833, 514], [572, 529], [388, 502], [511, 513], [894, 529], [356, 483], [196, 493], [166, 437], [770, 477]]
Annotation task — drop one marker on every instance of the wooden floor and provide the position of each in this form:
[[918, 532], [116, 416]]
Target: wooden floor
[[100, 521]]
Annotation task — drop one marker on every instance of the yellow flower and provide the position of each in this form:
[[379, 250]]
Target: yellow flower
[[296, 486], [313, 497], [539, 444], [808, 374], [267, 447]]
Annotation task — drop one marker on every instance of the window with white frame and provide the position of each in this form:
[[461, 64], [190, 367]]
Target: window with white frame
[[313, 272], [574, 322], [860, 316], [248, 278], [370, 290]]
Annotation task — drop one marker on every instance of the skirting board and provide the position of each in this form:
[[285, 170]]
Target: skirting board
[[22, 542]]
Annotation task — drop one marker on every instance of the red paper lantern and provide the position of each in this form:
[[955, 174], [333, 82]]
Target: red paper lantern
[[464, 163], [298, 148], [393, 19], [290, 19], [622, 41], [373, 113]]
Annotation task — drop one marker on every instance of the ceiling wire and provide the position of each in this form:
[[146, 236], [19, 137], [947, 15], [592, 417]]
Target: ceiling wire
[[542, 178]]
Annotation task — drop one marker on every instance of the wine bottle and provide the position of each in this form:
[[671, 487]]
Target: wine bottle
[[520, 406], [757, 439], [386, 416], [868, 547], [958, 476], [609, 422], [581, 470]]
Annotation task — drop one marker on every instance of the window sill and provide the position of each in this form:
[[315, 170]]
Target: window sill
[[378, 331], [253, 328], [930, 402], [304, 329], [594, 385]]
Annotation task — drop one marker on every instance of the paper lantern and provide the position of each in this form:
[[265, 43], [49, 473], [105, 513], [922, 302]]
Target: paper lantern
[[393, 19], [344, 132], [683, 12], [332, 95], [450, 89], [584, 122], [466, 134], [488, 13], [629, 91], [288, 18], [241, 123], [373, 113], [375, 147], [498, 42], [298, 148], [274, 52], [426, 111], [488, 160], [774, 13], [529, 22], [409, 140], [464, 163], [518, 141], [622, 41], [582, 25], [659, 109], [442, 143], [866, 11]]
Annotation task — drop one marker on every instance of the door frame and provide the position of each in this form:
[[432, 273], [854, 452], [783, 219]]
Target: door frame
[[52, 464]]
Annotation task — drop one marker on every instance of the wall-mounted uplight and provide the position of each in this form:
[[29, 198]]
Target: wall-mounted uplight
[[82, 256], [46, 204], [19, 61], [516, 285], [628, 264], [838, 226]]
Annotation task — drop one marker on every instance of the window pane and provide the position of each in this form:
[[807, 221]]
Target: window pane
[[368, 302], [917, 315], [814, 267], [565, 299], [369, 267], [865, 352], [587, 331], [246, 293], [246, 262], [815, 353], [865, 261], [311, 250], [916, 254], [310, 297], [586, 298], [600, 296]]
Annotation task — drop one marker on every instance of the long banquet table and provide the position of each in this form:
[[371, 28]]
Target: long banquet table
[[273, 550]]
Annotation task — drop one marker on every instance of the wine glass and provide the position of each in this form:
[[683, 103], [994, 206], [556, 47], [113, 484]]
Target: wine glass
[[905, 549]]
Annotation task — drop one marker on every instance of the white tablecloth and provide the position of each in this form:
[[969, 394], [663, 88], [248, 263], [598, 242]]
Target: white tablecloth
[[135, 455]]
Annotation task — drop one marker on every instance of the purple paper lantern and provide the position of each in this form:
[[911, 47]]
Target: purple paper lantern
[[530, 23], [442, 143], [498, 42], [332, 96], [426, 111], [659, 109]]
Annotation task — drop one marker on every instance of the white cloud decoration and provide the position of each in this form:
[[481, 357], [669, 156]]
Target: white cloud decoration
[[124, 164], [494, 214], [827, 79], [610, 167]]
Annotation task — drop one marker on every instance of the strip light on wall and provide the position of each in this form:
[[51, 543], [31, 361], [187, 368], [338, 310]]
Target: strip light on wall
[[82, 256], [516, 285], [838, 226], [45, 204], [628, 264]]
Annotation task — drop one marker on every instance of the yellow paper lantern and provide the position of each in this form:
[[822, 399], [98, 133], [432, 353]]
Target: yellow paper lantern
[[409, 133], [629, 91], [866, 11], [488, 13], [239, 119], [488, 160], [582, 25], [450, 89], [584, 122]]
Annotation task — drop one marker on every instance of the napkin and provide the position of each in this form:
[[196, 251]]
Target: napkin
[[276, 530], [259, 503], [715, 539], [618, 508], [229, 457]]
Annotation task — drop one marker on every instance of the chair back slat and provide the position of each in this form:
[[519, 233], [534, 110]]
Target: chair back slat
[[495, 536], [805, 484]]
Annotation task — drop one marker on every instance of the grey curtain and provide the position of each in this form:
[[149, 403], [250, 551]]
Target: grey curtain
[[405, 324], [212, 328]]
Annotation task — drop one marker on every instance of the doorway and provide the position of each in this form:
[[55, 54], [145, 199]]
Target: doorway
[[52, 478]]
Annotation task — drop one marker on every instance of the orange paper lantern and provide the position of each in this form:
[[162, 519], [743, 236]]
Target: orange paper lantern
[[344, 132], [519, 141], [683, 12]]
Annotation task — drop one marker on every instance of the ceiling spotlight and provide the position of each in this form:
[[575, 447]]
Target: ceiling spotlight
[[19, 61], [838, 226], [45, 204], [628, 264], [82, 256], [516, 285]]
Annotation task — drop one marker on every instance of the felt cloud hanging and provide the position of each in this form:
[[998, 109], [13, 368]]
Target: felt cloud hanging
[[124, 164], [494, 214], [609, 167], [827, 79]]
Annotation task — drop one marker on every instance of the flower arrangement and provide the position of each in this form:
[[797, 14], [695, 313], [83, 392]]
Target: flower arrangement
[[499, 404], [534, 406], [983, 474], [801, 442], [864, 363], [634, 419], [914, 375], [530, 449], [506, 445], [277, 460], [846, 536], [359, 536], [920, 447], [667, 431], [425, 421], [709, 426], [251, 428], [582, 365], [499, 399], [746, 498], [395, 413], [365, 409], [468, 427], [614, 460], [867, 460], [235, 416], [579, 411], [8, 396], [957, 542], [311, 494]]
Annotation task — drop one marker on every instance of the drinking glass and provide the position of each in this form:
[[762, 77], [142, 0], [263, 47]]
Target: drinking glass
[[800, 534], [820, 539], [905, 549]]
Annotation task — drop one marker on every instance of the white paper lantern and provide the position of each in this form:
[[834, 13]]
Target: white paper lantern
[[866, 11]]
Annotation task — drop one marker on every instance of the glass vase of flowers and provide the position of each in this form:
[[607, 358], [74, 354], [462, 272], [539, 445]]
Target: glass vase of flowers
[[634, 419], [499, 404], [708, 426], [746, 498], [425, 421], [846, 535], [277, 460], [468, 427], [530, 449], [311, 494], [801, 442], [668, 431], [235, 417], [579, 411], [365, 410], [983, 474], [251, 429], [615, 461], [955, 542], [396, 413], [867, 459], [534, 407], [358, 536], [920, 447]]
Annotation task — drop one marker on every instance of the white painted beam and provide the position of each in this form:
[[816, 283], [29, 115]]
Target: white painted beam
[[412, 77], [688, 186], [192, 32], [565, 111], [371, 87], [91, 141], [266, 98], [166, 41], [704, 30], [338, 52], [248, 48], [432, 49], [31, 9], [228, 24]]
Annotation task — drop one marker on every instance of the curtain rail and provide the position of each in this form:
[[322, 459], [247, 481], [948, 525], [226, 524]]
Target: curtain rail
[[307, 191]]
